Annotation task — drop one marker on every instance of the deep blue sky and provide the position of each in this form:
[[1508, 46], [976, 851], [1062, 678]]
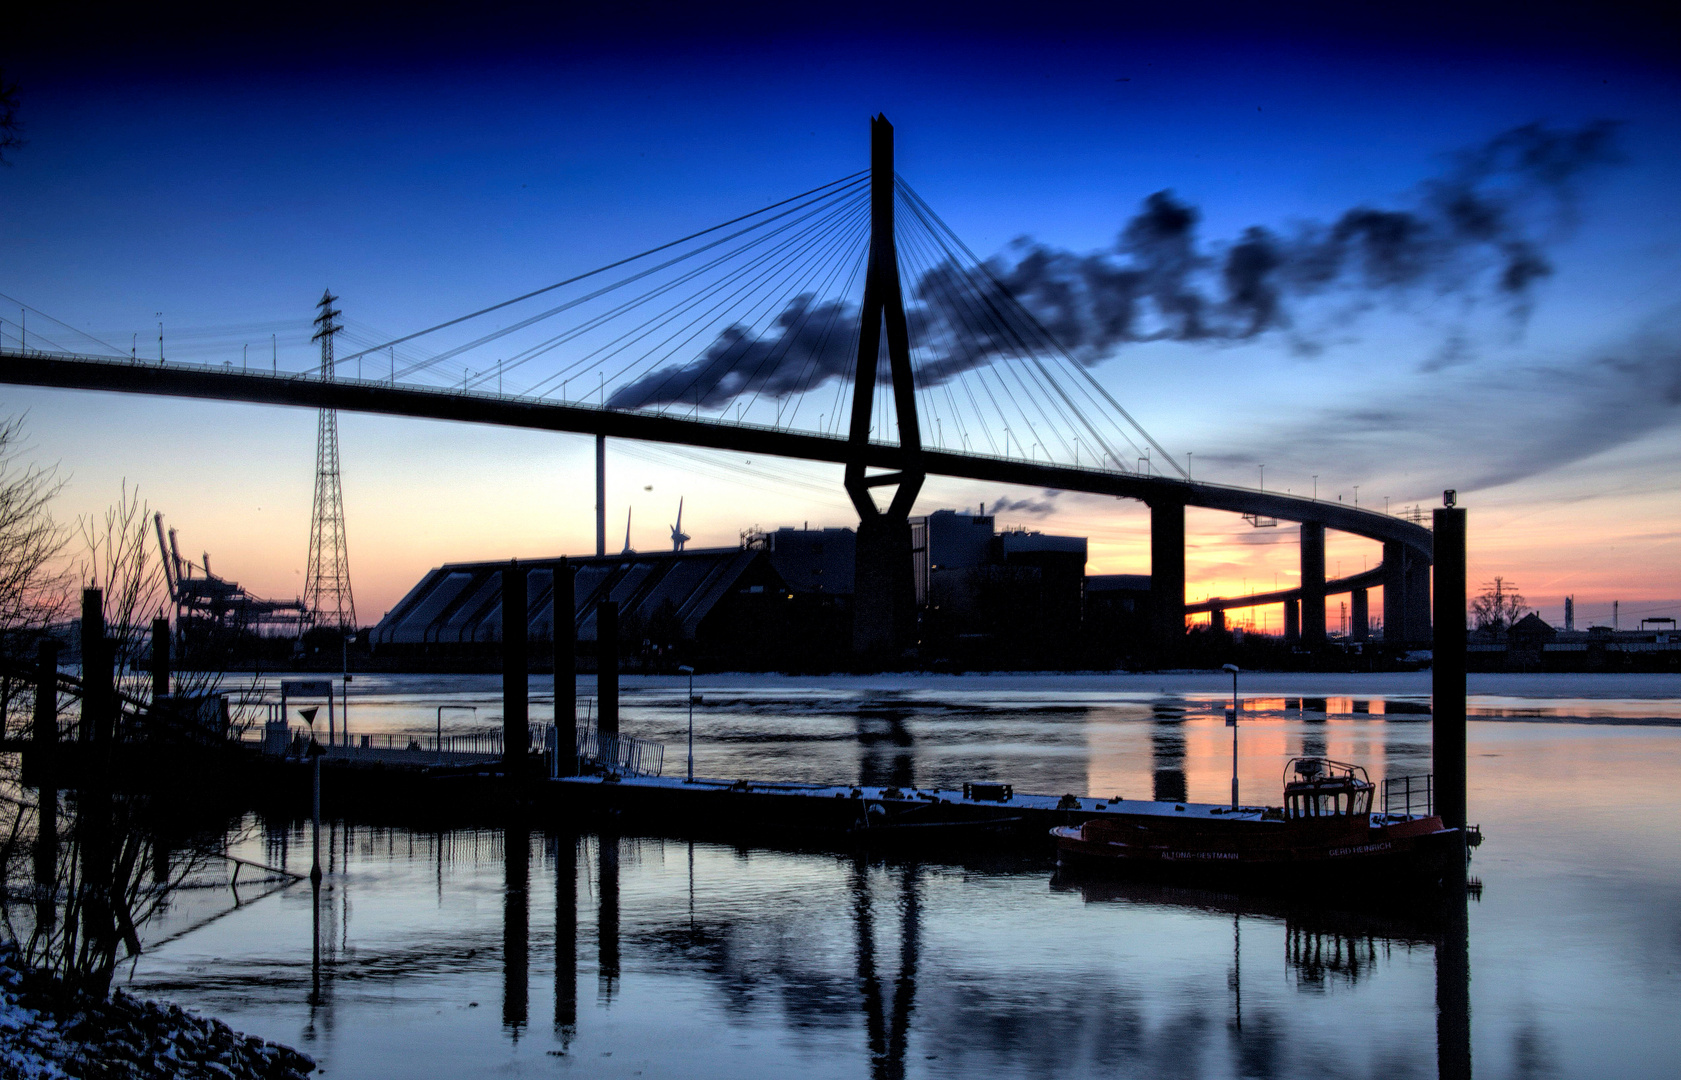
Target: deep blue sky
[[421, 164]]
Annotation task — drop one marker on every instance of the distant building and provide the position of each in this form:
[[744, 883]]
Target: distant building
[[783, 600], [996, 598], [725, 606], [1532, 644]]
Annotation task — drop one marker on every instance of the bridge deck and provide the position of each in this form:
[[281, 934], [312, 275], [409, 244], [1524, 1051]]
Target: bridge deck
[[78, 372]]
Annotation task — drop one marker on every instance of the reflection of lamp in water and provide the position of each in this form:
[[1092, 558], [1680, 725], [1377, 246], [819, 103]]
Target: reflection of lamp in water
[[315, 754], [1231, 722]]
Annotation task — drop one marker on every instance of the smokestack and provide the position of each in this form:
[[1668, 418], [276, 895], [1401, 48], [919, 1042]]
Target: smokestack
[[1569, 614]]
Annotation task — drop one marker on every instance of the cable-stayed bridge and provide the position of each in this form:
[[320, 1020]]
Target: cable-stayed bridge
[[847, 324]]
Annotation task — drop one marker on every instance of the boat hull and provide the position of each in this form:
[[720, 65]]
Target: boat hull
[[1419, 851]]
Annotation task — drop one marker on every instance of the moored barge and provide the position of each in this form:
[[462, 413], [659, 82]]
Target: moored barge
[[1326, 834]]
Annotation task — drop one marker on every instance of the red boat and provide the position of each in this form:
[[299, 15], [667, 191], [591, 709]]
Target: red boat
[[1326, 833]]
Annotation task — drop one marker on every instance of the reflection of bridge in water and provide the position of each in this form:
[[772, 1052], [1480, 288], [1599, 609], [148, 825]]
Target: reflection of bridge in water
[[886, 974], [760, 315]]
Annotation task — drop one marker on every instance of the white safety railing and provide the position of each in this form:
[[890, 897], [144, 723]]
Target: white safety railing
[[621, 753]]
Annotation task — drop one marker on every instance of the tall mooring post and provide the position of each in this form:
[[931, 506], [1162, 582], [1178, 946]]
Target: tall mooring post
[[607, 669], [99, 716], [99, 694], [1447, 666], [160, 660], [516, 704], [884, 586], [44, 776], [565, 670]]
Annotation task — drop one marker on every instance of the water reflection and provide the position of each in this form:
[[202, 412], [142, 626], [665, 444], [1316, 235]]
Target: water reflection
[[1167, 753], [837, 963], [607, 916], [887, 1015], [566, 939], [516, 927], [886, 751], [1326, 945]]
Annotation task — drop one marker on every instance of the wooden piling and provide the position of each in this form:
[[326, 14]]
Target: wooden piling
[[516, 704], [45, 774], [160, 660], [565, 670], [1448, 665], [607, 668]]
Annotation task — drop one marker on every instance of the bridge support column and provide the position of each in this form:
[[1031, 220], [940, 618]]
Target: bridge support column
[[1406, 595], [600, 496], [1418, 597], [1359, 615], [884, 584], [1313, 583], [1292, 622], [1167, 574], [1217, 620], [516, 703], [1394, 593], [883, 587]]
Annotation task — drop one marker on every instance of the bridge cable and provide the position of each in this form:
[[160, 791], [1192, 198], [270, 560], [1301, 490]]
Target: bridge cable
[[1041, 331], [613, 265]]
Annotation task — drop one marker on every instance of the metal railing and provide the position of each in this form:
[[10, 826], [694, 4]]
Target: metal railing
[[1401, 792], [621, 753], [484, 743]]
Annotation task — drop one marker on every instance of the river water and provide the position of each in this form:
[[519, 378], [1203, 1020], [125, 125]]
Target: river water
[[480, 952]]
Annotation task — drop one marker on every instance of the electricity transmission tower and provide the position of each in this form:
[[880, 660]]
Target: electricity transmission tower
[[327, 582]]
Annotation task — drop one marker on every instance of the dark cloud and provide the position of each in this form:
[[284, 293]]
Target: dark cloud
[[1031, 507], [1477, 230], [810, 344]]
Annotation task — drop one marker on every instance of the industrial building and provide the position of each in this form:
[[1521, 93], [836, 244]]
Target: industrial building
[[721, 605], [783, 599]]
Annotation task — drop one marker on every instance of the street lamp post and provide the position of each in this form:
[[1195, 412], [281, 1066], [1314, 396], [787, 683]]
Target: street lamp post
[[690, 672], [1231, 722], [348, 638]]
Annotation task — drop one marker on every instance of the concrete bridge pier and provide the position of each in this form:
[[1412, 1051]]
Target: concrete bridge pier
[[1292, 622], [1406, 595], [1313, 583], [1359, 616], [884, 588], [1217, 620], [1167, 574]]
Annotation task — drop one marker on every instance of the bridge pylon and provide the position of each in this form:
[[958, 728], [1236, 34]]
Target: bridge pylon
[[884, 586]]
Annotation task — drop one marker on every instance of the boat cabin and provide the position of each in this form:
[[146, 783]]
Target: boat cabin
[[1322, 788]]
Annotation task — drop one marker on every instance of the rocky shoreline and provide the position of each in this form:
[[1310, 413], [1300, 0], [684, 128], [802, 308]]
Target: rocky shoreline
[[46, 1031]]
